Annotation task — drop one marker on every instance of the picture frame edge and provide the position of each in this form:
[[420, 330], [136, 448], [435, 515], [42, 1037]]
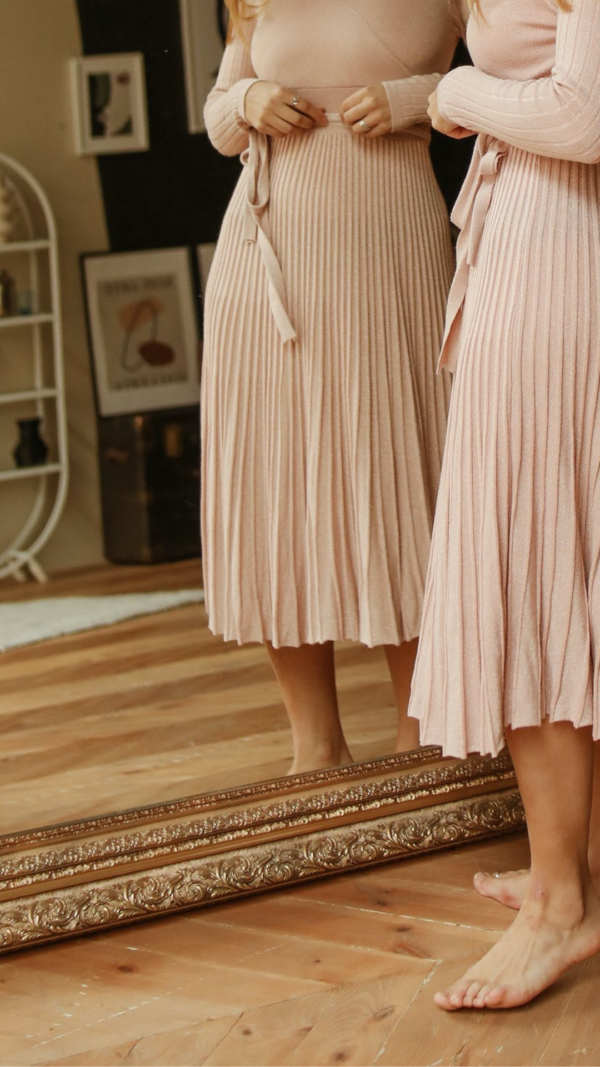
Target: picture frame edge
[[172, 888], [100, 400], [86, 146]]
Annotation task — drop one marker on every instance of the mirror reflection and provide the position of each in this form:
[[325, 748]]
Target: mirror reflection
[[146, 660]]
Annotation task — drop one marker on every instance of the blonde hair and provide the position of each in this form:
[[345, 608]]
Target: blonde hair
[[241, 12]]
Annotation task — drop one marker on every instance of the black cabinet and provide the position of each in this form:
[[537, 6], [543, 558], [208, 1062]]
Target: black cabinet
[[150, 485]]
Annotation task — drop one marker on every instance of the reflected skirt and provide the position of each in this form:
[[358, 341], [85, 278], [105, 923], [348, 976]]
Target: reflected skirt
[[511, 623], [321, 457]]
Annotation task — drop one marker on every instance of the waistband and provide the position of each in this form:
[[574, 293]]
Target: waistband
[[256, 160], [331, 98]]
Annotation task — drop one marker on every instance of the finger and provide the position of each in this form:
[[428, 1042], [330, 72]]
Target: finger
[[297, 118], [372, 123], [304, 107], [457, 133], [381, 130], [278, 127], [356, 113], [352, 101], [442, 126]]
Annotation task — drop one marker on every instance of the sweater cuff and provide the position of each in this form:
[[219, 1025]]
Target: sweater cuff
[[446, 97], [241, 89], [408, 99]]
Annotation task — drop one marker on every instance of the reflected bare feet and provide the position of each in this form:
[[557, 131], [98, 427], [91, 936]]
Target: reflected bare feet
[[543, 942], [408, 740], [319, 760]]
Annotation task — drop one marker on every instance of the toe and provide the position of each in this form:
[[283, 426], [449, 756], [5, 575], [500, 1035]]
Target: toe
[[454, 996], [470, 994], [486, 884], [449, 1000], [480, 1001], [496, 996], [443, 1000], [480, 879]]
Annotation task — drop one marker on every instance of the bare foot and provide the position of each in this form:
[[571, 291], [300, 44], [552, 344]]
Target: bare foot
[[542, 943], [509, 888], [408, 737]]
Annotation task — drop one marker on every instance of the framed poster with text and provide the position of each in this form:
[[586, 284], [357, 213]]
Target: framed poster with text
[[143, 330]]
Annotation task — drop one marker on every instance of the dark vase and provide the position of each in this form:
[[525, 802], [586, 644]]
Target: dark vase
[[31, 450]]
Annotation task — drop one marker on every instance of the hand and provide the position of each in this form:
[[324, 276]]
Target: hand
[[450, 129], [270, 108], [371, 105]]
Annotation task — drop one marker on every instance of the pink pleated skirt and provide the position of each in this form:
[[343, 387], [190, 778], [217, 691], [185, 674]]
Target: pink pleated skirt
[[321, 458], [511, 624]]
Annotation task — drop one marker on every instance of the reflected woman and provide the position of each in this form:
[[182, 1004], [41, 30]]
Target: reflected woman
[[323, 420], [510, 643]]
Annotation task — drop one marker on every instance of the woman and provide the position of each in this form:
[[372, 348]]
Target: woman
[[511, 629], [323, 420]]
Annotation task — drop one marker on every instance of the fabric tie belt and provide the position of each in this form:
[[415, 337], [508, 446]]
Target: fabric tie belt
[[469, 214], [258, 191]]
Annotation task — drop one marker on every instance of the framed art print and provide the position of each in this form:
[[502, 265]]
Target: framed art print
[[109, 104], [142, 318]]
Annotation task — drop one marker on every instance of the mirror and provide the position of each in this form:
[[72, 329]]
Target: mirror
[[145, 761]]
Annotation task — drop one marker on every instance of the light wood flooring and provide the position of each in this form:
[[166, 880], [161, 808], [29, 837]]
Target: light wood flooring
[[340, 971], [154, 708]]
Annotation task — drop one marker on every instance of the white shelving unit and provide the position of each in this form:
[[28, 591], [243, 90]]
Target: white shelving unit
[[36, 243]]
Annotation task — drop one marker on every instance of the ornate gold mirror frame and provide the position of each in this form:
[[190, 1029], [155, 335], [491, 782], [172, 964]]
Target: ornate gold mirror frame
[[79, 877]]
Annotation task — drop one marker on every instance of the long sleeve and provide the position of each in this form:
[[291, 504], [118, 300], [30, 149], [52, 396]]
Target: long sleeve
[[224, 109], [408, 99], [557, 116]]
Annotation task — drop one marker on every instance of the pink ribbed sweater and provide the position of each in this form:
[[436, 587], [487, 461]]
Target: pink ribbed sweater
[[536, 83], [323, 421], [406, 45], [511, 622]]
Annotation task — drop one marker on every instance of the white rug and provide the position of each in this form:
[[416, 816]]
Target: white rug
[[38, 620]]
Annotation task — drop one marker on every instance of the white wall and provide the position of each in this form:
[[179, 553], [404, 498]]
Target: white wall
[[37, 39]]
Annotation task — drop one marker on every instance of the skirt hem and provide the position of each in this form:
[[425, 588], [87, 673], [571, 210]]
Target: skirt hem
[[430, 735], [263, 639]]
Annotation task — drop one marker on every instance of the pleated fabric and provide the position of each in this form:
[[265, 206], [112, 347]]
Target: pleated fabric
[[511, 626], [321, 458]]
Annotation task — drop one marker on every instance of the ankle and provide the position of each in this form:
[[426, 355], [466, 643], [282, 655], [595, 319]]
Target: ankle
[[328, 750], [564, 902]]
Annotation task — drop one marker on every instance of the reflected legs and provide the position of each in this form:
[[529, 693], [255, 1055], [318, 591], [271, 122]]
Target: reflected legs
[[307, 678], [558, 924], [401, 663]]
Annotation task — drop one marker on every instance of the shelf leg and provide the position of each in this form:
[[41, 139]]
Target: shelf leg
[[37, 571], [29, 563]]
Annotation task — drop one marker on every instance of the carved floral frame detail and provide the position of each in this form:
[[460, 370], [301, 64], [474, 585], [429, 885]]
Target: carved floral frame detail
[[67, 880]]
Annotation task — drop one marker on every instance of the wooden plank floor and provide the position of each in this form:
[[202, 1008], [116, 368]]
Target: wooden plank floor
[[154, 708], [340, 971]]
